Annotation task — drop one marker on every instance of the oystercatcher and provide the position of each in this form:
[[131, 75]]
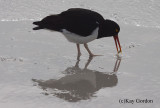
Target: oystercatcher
[[81, 26]]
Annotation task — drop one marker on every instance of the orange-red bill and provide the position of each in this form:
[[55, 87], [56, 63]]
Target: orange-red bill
[[116, 39]]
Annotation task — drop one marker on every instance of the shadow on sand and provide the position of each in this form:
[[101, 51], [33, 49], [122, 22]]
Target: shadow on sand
[[79, 84]]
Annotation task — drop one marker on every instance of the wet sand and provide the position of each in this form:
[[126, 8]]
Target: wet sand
[[40, 69]]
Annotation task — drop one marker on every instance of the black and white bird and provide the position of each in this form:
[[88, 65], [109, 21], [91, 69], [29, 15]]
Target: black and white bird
[[81, 26]]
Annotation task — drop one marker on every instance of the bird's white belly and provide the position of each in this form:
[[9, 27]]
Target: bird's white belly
[[72, 37]]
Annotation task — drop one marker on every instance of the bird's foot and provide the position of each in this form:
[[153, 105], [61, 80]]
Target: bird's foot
[[93, 55]]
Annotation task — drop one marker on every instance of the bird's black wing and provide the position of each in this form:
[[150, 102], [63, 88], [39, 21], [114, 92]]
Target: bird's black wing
[[81, 21]]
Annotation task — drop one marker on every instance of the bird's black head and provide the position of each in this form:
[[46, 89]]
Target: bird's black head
[[108, 28]]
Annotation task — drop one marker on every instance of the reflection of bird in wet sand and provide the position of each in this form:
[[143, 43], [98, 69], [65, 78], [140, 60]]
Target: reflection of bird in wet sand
[[79, 84]]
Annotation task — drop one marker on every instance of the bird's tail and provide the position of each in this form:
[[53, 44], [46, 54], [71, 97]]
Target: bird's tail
[[52, 22], [36, 22]]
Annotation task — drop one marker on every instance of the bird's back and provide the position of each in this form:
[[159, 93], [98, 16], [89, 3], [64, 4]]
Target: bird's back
[[81, 21], [75, 20]]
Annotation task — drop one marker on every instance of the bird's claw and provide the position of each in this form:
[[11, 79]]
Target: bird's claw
[[93, 55]]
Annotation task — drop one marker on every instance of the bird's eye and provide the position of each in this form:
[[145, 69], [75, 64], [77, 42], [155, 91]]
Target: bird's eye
[[116, 30]]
